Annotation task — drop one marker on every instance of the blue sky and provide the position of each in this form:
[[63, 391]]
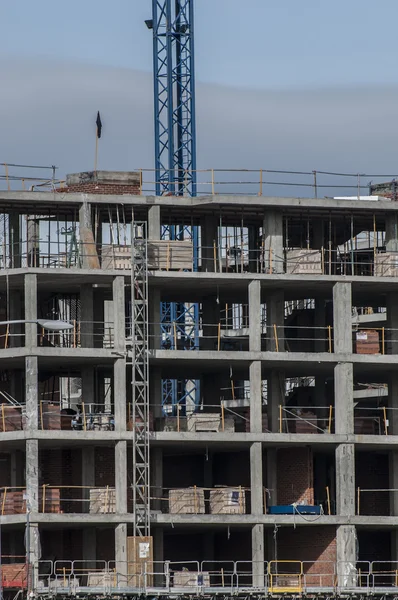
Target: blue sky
[[305, 85], [255, 43]]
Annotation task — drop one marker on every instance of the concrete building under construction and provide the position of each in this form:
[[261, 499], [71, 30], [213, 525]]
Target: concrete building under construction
[[198, 414]]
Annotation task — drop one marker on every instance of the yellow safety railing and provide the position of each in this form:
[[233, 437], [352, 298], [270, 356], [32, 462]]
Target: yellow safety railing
[[284, 582]]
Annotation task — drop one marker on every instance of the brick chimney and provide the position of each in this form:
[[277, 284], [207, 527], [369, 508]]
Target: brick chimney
[[103, 182]]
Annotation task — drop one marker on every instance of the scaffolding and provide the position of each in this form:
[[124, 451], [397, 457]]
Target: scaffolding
[[138, 359]]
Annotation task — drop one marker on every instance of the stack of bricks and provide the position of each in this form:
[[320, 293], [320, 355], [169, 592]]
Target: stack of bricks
[[295, 476], [10, 418], [103, 182], [14, 575]]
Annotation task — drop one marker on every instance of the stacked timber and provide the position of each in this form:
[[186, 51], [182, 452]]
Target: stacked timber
[[188, 501], [304, 262], [103, 500], [182, 579], [227, 501], [140, 561], [166, 255], [367, 342], [14, 575]]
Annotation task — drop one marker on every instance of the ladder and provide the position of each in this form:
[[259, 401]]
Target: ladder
[[140, 383]]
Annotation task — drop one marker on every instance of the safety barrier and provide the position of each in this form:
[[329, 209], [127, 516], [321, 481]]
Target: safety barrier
[[207, 578]]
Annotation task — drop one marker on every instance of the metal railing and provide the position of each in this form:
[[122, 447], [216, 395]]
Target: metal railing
[[209, 578], [311, 419]]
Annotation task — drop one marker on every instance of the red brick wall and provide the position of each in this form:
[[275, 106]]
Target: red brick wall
[[372, 472], [295, 476], [315, 546], [62, 467], [104, 466]]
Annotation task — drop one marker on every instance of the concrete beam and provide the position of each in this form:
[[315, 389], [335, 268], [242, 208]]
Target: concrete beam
[[154, 222], [30, 285], [256, 479], [255, 316], [119, 394], [258, 556], [31, 393]]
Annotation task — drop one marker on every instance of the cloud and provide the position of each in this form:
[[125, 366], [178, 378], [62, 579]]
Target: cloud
[[48, 110]]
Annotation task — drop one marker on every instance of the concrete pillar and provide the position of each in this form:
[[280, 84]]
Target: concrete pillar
[[275, 317], [255, 316], [88, 476], [391, 344], [345, 480], [258, 555], [344, 398], [346, 556], [121, 477], [33, 241], [119, 396], [87, 315], [14, 236], [391, 233], [275, 399], [154, 223], [342, 318], [256, 479], [32, 501], [256, 403], [121, 553], [272, 478], [254, 250], [121, 507], [88, 250], [31, 393], [30, 288], [119, 312], [273, 242], [157, 477], [209, 240]]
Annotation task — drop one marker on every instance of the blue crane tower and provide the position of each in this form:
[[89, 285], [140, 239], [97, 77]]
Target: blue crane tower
[[175, 163]]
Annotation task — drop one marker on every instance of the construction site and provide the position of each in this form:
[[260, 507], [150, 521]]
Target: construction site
[[198, 376]]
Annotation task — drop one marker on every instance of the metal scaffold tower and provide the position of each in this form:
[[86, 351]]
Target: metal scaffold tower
[[140, 379], [175, 159]]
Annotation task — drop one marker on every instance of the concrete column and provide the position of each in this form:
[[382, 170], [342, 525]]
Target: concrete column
[[14, 236], [345, 480], [31, 393], [256, 417], [121, 477], [154, 320], [157, 477], [273, 242], [254, 250], [30, 288], [119, 311], [255, 316], [119, 397], [154, 223], [88, 249], [275, 316], [209, 240], [32, 499], [342, 318], [258, 555], [391, 344], [391, 233], [33, 241], [272, 478], [88, 476], [121, 553], [256, 479], [346, 556], [344, 398], [87, 315], [275, 399]]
